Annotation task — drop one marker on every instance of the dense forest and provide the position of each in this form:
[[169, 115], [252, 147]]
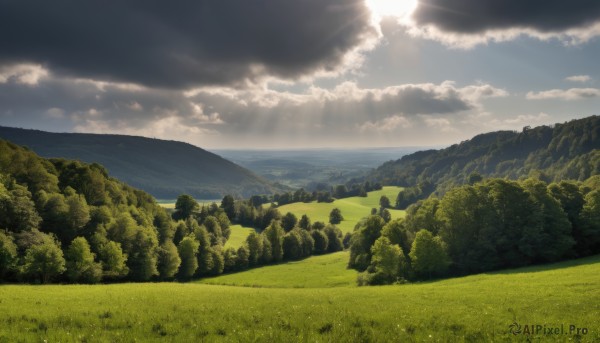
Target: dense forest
[[493, 224], [165, 169], [68, 221], [550, 153]]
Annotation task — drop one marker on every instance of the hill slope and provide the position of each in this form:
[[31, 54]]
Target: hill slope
[[562, 151], [162, 168]]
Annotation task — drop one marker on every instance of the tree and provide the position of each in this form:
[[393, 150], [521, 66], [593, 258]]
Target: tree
[[8, 254], [44, 261], [185, 207], [187, 249], [274, 234], [366, 232], [384, 202], [304, 222], [422, 215], [335, 216], [80, 262], [205, 258], [292, 245], [398, 234], [553, 239], [168, 260], [267, 251], [346, 240], [164, 226], [228, 205], [387, 258], [340, 191], [468, 227], [308, 243], [255, 246], [334, 237], [318, 226], [79, 212], [230, 258], [142, 261], [321, 241], [270, 215], [216, 253], [385, 215], [17, 210], [474, 178], [590, 224], [181, 231], [213, 227], [428, 255], [242, 258], [113, 260], [289, 221], [569, 194]]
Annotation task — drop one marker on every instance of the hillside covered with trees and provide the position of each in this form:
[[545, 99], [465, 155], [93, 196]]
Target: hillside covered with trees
[[564, 151], [491, 225], [63, 220], [162, 168]]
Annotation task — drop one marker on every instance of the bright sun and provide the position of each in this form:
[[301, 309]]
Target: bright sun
[[392, 8]]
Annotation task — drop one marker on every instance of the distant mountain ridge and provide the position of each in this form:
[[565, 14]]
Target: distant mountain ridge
[[162, 168], [569, 150]]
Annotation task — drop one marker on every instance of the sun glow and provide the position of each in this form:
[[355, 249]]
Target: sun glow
[[401, 9]]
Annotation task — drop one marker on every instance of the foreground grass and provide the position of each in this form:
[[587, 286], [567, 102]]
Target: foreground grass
[[353, 209], [316, 271], [470, 309]]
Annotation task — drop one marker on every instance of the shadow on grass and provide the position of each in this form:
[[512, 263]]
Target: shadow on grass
[[550, 266], [522, 270]]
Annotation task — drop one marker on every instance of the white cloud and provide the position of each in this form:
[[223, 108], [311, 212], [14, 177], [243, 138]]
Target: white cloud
[[201, 117], [442, 124], [528, 119], [570, 37], [27, 74], [578, 78], [385, 125], [568, 94], [167, 127]]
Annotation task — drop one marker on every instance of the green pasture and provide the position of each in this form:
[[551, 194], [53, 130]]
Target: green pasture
[[353, 209], [479, 308], [238, 236], [314, 272]]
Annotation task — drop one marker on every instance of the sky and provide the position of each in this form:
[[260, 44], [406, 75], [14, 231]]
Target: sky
[[281, 74]]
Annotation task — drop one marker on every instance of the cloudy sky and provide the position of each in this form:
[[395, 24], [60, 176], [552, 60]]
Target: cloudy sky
[[298, 73]]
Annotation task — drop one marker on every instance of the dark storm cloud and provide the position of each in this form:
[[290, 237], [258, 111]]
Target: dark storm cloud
[[474, 16], [185, 43]]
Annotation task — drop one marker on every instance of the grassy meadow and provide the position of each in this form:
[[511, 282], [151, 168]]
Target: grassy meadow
[[238, 236], [469, 309], [315, 272], [353, 209]]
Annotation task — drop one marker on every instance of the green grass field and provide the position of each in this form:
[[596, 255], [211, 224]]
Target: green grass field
[[353, 209], [314, 272], [238, 236], [477, 308]]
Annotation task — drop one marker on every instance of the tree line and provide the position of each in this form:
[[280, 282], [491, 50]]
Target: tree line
[[320, 195], [67, 221], [490, 225]]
